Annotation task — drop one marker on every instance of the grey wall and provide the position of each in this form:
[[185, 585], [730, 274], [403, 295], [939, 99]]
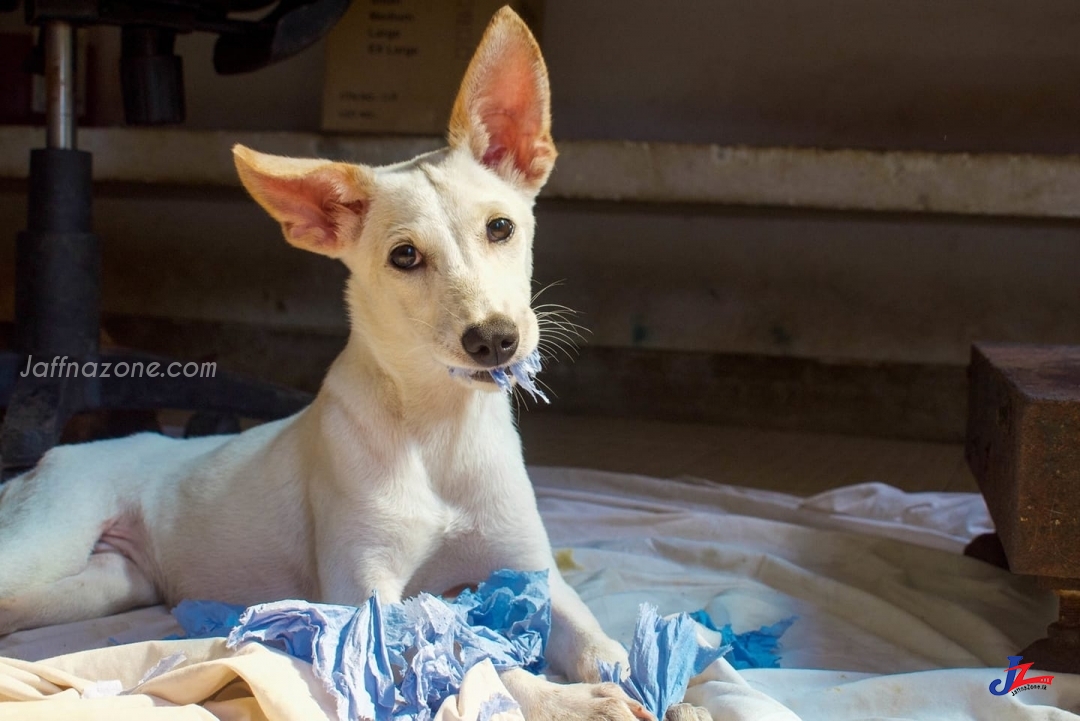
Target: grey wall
[[816, 285], [925, 74], [957, 75], [919, 74]]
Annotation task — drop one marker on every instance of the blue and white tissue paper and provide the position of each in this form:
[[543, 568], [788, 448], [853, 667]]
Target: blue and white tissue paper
[[664, 655], [402, 660], [752, 649]]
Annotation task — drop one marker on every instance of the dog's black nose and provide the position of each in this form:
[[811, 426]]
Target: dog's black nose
[[492, 342]]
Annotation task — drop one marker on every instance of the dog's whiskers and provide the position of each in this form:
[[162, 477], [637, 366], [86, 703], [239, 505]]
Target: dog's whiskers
[[519, 400], [559, 314], [553, 346], [420, 347], [453, 315], [547, 287], [560, 306], [548, 387], [554, 333], [559, 317], [569, 329], [422, 322]]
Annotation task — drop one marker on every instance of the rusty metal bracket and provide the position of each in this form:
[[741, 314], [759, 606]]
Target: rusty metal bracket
[[1023, 445]]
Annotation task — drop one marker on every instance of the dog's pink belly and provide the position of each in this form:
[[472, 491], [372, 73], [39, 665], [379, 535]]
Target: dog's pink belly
[[126, 535]]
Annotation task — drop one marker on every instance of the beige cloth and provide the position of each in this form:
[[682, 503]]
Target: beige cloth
[[201, 680], [253, 683]]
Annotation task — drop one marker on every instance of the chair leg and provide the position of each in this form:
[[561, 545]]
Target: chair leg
[[57, 307], [11, 364], [37, 412]]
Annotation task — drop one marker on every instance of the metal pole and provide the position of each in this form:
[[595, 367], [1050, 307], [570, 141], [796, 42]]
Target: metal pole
[[59, 85]]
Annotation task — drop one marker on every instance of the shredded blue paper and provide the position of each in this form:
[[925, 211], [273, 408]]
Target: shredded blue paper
[[752, 649], [402, 660], [425, 644], [524, 372], [664, 655], [343, 644], [206, 619]]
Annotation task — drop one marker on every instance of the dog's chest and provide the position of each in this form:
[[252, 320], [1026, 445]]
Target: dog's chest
[[468, 505], [457, 499], [438, 503]]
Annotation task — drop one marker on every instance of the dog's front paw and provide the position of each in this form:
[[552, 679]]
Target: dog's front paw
[[544, 700], [609, 651], [584, 702], [687, 712]]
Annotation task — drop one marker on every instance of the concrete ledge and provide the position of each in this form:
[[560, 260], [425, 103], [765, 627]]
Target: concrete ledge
[[1034, 186]]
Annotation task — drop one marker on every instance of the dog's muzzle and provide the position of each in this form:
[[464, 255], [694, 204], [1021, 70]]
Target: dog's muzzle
[[491, 343]]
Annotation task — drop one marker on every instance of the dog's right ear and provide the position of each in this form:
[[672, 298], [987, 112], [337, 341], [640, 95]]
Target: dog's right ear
[[320, 204], [503, 109]]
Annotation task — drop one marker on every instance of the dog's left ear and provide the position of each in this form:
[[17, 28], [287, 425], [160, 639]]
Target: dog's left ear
[[320, 204], [503, 110]]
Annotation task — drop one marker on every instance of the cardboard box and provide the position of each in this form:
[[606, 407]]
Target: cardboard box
[[394, 66]]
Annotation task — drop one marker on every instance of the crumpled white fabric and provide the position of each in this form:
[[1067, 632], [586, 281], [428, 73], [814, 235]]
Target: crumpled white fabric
[[893, 622], [482, 697]]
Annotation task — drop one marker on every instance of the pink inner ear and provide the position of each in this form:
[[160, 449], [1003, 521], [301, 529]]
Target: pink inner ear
[[511, 109], [315, 210]]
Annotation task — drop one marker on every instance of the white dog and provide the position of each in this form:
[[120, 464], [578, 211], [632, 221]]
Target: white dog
[[401, 476]]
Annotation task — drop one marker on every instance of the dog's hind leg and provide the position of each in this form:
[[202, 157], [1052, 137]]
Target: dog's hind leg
[[51, 519], [46, 532], [108, 583]]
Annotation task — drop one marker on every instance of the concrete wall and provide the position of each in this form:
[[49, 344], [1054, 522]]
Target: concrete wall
[[918, 74], [964, 75], [816, 285]]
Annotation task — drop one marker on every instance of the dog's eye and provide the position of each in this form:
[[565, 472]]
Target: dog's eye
[[500, 229], [406, 257]]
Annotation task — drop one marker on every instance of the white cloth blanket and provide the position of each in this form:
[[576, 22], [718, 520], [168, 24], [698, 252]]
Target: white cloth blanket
[[892, 621]]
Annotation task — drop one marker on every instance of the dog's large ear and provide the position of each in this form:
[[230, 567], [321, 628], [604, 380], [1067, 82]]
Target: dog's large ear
[[503, 110], [319, 203]]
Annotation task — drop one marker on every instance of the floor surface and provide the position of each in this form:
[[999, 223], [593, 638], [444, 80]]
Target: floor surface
[[790, 462], [799, 463]]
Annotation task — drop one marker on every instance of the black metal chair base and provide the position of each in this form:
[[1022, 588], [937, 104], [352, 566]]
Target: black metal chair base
[[41, 397]]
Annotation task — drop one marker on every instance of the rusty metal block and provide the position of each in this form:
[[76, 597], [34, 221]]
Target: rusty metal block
[[1023, 445]]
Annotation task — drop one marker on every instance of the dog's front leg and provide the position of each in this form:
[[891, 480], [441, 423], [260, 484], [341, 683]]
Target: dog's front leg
[[352, 584], [576, 644], [355, 569], [577, 641], [357, 559]]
